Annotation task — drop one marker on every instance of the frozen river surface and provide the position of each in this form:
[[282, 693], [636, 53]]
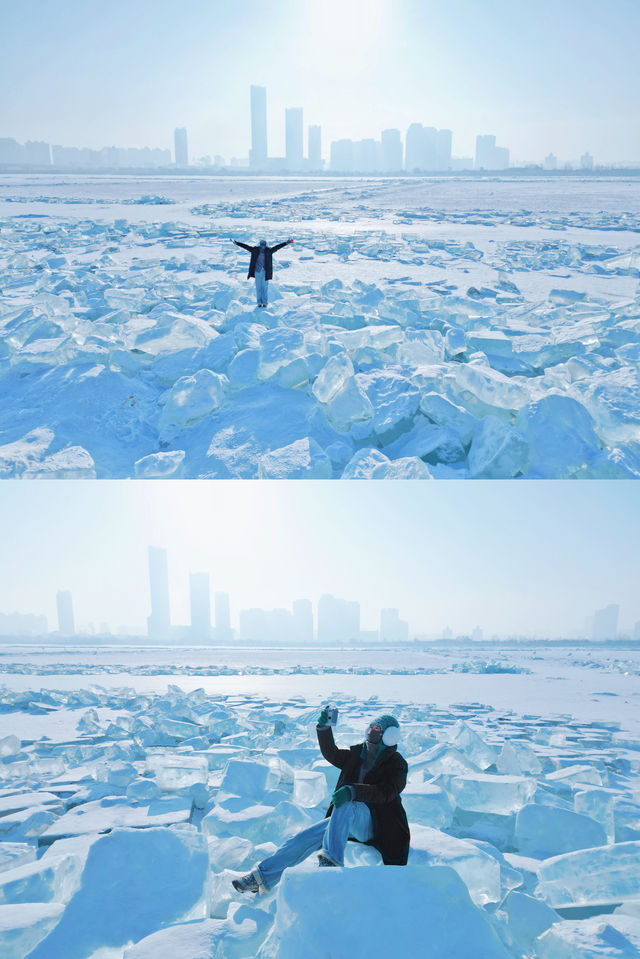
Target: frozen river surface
[[137, 782], [454, 328]]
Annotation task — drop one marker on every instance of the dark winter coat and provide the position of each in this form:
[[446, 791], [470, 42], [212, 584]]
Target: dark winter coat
[[380, 791], [268, 262]]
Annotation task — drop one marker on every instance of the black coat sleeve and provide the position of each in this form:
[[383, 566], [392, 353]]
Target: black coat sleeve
[[244, 246], [337, 757], [387, 791], [278, 246]]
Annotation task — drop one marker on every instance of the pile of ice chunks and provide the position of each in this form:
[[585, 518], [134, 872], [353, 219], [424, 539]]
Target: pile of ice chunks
[[476, 666], [133, 821], [117, 364]]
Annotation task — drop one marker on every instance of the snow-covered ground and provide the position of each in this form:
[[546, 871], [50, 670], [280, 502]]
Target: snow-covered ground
[[440, 327], [135, 783]]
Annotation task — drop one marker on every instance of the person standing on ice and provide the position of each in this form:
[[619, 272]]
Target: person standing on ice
[[365, 806], [261, 266]]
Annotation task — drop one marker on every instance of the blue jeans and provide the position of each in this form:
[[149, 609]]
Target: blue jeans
[[261, 288], [331, 835]]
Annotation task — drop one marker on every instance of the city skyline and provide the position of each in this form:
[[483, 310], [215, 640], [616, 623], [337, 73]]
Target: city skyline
[[357, 67], [265, 546]]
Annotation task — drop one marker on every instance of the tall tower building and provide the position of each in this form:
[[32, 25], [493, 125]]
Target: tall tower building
[[159, 622], [605, 622], [180, 146], [315, 147], [258, 152], [485, 152], [293, 137], [200, 606], [392, 628], [64, 602], [223, 618], [414, 149], [338, 620]]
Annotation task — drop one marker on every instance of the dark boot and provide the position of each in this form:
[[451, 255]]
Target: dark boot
[[248, 883]]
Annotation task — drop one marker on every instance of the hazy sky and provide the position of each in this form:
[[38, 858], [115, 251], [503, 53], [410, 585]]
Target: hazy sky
[[510, 556], [540, 74]]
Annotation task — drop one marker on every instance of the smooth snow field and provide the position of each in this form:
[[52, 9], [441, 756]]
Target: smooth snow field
[[447, 328], [136, 783]]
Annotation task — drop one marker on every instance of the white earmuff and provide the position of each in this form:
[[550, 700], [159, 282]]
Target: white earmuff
[[391, 736]]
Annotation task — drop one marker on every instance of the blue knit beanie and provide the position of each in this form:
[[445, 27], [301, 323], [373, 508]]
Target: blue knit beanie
[[390, 729]]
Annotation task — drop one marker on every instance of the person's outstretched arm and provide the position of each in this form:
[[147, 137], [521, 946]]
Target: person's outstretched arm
[[337, 757], [244, 246], [279, 246]]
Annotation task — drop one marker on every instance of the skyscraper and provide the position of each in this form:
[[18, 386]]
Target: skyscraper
[[485, 145], [414, 153], [488, 155], [180, 146], [392, 628], [200, 606], [64, 602], [366, 156], [159, 622], [293, 136], [338, 620], [315, 148], [258, 152], [223, 618], [342, 156], [605, 622]]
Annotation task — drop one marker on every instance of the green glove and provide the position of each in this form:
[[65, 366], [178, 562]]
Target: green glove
[[341, 796], [323, 717]]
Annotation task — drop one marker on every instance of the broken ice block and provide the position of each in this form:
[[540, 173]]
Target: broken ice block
[[543, 831], [134, 882], [442, 758], [525, 919], [303, 459], [600, 876], [479, 871], [497, 451], [600, 937], [277, 348], [173, 771], [14, 854], [348, 406], [238, 934], [490, 794], [24, 925], [427, 804], [436, 899], [472, 744], [393, 397], [160, 465], [560, 435], [332, 377], [309, 788], [373, 464], [599, 804], [192, 398], [246, 778]]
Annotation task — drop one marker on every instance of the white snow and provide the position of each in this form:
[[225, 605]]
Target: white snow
[[127, 808], [504, 311]]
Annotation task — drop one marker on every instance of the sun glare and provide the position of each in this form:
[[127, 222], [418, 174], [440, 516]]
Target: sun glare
[[344, 34]]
